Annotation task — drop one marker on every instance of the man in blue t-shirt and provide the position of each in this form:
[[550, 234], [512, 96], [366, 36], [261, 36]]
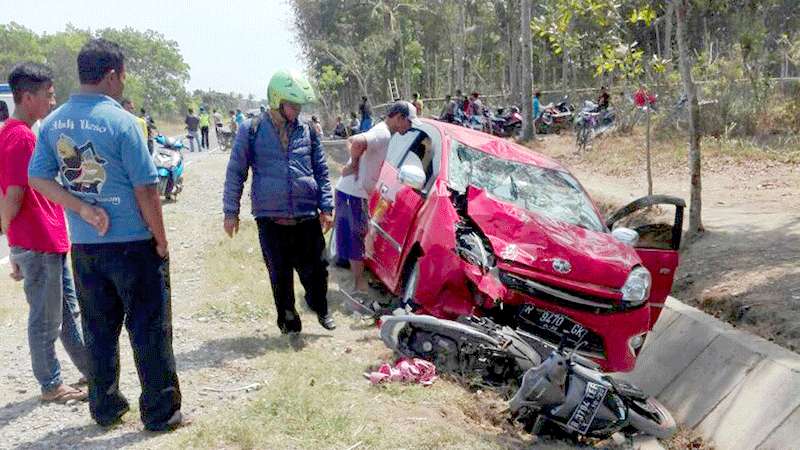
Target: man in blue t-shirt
[[119, 251]]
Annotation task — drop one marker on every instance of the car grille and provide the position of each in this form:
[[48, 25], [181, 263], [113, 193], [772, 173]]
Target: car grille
[[557, 295]]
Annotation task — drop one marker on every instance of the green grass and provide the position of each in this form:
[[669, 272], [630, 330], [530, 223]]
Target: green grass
[[317, 399], [237, 284]]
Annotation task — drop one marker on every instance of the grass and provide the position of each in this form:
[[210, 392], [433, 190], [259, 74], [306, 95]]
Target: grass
[[237, 285], [318, 400], [620, 155]]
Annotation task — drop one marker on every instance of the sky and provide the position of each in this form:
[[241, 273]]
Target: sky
[[230, 45]]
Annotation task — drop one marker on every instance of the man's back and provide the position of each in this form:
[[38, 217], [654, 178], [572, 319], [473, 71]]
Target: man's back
[[192, 122], [99, 152]]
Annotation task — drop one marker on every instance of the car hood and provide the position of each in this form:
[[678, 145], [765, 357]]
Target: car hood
[[537, 243]]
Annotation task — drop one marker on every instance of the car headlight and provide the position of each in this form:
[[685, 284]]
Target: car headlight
[[471, 248], [636, 289]]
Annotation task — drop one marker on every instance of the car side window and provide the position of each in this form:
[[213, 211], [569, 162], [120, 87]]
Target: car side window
[[398, 146]]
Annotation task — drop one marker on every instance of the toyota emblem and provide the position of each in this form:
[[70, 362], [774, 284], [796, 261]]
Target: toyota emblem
[[561, 265]]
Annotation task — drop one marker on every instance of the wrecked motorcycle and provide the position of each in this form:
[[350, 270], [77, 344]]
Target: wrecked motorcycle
[[565, 391]]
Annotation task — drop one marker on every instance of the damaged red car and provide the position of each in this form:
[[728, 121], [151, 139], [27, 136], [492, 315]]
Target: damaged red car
[[464, 223]]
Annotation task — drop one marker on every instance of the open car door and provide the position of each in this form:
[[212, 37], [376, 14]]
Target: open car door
[[658, 244]]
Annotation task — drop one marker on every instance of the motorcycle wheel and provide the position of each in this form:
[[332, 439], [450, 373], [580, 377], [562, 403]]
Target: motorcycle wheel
[[651, 417], [162, 186]]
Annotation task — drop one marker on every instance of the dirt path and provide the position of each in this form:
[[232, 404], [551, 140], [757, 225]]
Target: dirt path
[[745, 268]]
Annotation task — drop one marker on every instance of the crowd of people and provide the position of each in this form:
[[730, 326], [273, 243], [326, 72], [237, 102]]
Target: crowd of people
[[83, 217]]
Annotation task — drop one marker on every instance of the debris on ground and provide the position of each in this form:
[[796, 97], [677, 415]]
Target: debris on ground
[[408, 370]]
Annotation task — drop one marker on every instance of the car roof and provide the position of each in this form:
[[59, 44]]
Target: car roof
[[496, 146]]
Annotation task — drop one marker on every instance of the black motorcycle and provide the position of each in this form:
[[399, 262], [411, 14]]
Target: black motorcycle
[[565, 390]]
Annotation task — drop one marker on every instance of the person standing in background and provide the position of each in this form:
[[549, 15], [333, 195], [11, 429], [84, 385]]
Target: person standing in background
[[366, 115], [205, 123], [217, 123], [417, 104], [192, 124]]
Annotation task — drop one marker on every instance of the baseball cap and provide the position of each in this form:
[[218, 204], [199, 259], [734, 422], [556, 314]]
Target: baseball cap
[[406, 109]]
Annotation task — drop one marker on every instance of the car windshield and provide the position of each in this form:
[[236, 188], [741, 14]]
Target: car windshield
[[551, 193]]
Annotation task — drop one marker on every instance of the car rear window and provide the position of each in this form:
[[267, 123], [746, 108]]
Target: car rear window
[[550, 193]]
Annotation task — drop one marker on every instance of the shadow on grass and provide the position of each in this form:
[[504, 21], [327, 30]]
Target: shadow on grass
[[216, 352], [85, 437]]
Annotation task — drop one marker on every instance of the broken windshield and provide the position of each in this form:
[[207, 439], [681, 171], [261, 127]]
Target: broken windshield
[[547, 192]]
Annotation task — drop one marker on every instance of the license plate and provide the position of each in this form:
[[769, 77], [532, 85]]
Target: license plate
[[584, 414], [556, 323]]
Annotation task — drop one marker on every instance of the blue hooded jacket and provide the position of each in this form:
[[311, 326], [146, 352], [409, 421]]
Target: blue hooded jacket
[[287, 183]]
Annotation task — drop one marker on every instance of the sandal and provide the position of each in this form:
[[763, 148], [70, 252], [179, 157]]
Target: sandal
[[63, 393]]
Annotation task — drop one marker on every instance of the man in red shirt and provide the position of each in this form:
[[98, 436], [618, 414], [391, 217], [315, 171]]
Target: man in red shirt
[[37, 236]]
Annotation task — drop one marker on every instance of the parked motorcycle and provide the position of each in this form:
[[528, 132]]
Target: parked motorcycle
[[555, 117], [168, 159], [565, 390], [506, 125]]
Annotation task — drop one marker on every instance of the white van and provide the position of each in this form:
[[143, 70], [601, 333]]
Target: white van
[[6, 102]]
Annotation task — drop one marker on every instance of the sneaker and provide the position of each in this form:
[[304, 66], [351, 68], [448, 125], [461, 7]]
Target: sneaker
[[327, 322]]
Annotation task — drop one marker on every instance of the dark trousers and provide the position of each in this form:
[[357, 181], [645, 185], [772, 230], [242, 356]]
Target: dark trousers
[[203, 137], [127, 283], [295, 247]]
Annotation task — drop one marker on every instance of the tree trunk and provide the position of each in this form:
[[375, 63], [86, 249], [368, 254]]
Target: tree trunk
[[514, 64], [649, 161], [668, 16], [527, 71], [565, 59], [695, 202], [460, 44]]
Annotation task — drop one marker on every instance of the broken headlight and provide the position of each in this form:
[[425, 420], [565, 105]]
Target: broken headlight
[[636, 289], [473, 249]]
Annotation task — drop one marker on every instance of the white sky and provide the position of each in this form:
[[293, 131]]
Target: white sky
[[230, 45]]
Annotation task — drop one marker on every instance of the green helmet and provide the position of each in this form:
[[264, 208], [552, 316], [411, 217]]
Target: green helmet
[[289, 86]]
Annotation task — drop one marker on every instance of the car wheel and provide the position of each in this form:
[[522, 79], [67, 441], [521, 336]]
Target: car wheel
[[410, 286]]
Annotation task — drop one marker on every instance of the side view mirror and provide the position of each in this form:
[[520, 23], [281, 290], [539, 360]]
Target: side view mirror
[[626, 236], [412, 176]]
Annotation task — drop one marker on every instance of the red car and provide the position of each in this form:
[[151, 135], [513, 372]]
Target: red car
[[464, 223]]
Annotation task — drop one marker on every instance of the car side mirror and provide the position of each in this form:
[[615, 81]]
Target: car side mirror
[[626, 236], [412, 176]]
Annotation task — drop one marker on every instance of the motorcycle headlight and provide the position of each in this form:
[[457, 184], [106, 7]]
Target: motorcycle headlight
[[472, 249], [636, 289]]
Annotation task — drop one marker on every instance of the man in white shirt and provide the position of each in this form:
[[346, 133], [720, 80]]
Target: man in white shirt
[[359, 177]]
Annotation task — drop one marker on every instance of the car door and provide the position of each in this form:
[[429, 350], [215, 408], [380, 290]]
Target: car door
[[393, 209], [658, 243]]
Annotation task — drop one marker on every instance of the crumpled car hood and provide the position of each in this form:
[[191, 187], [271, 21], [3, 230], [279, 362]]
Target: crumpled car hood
[[534, 241]]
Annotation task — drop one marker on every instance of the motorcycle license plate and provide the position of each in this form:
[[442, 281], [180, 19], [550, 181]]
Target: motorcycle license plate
[[555, 323], [582, 417]]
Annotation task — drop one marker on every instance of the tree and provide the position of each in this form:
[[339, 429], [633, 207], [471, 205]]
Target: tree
[[527, 71], [17, 44], [156, 63], [685, 64]]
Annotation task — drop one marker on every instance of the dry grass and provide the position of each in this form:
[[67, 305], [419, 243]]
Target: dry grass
[[623, 155]]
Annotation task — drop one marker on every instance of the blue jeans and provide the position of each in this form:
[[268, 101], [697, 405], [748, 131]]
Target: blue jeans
[[193, 144], [53, 312], [127, 283]]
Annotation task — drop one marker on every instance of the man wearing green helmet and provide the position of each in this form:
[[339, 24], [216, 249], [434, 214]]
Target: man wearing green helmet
[[291, 197]]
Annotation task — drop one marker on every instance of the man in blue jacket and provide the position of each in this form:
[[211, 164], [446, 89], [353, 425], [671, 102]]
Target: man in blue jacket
[[291, 197]]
